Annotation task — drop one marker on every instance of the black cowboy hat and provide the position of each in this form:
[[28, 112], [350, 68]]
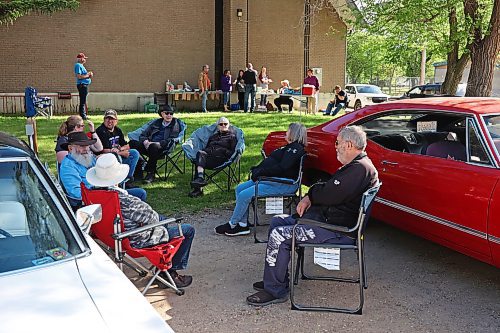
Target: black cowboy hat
[[79, 139]]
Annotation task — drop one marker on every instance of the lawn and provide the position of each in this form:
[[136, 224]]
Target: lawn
[[171, 197]]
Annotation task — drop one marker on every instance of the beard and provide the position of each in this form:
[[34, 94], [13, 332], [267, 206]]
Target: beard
[[84, 159]]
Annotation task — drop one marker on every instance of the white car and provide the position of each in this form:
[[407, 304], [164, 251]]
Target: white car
[[361, 95], [53, 276]]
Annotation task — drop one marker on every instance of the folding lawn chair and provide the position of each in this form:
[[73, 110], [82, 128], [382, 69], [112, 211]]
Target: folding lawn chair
[[35, 105], [110, 231], [231, 168]]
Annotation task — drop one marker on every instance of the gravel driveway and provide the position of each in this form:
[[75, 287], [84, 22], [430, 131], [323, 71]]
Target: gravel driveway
[[414, 286]]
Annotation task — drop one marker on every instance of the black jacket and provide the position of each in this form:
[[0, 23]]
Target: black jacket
[[171, 132], [338, 199], [284, 162], [221, 144]]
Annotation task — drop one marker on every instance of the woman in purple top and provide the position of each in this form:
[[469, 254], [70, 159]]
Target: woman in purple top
[[226, 87], [313, 81]]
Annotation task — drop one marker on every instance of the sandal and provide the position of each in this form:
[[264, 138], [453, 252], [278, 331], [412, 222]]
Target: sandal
[[262, 298]]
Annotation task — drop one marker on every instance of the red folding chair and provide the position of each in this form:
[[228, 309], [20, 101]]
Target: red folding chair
[[111, 233]]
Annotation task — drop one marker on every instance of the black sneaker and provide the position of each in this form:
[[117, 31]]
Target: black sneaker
[[199, 182], [221, 229], [150, 177], [196, 192], [238, 231]]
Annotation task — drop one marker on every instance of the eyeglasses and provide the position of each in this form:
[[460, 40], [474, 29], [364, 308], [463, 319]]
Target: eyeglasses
[[169, 113], [80, 125], [223, 124], [337, 143]]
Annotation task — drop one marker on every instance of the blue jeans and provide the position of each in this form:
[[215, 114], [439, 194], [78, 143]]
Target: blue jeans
[[337, 108], [204, 96], [263, 100], [181, 257], [250, 90], [131, 161], [276, 280], [246, 191], [138, 193], [226, 97]]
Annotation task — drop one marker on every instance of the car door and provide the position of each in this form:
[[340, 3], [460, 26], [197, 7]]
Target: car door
[[441, 199], [351, 91]]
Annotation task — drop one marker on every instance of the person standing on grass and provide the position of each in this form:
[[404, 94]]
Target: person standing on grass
[[264, 84], [226, 87], [240, 87], [250, 80], [204, 86], [83, 80]]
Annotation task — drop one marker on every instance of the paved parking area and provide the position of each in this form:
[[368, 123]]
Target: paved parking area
[[414, 286]]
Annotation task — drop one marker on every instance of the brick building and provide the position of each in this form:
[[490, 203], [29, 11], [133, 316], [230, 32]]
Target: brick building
[[134, 47]]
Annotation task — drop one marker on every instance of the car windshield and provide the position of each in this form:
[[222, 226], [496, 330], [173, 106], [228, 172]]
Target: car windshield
[[369, 90], [493, 126], [33, 231]]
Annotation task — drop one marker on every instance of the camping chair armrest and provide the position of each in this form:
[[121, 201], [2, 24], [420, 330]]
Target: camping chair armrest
[[324, 225], [275, 180], [127, 234]]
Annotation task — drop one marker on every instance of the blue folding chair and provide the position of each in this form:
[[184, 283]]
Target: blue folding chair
[[35, 105]]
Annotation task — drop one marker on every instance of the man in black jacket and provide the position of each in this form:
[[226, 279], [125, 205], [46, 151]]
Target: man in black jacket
[[250, 80], [220, 147], [337, 201], [159, 139]]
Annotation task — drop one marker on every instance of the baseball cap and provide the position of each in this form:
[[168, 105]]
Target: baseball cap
[[110, 114], [82, 55]]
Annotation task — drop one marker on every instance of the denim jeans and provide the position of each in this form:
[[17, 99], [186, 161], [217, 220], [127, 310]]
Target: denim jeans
[[246, 191], [131, 161], [204, 96], [250, 90], [138, 193], [337, 108], [83, 90], [276, 279], [263, 100], [180, 259], [226, 98]]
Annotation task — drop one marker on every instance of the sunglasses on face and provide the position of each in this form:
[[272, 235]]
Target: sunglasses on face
[[223, 124], [169, 113]]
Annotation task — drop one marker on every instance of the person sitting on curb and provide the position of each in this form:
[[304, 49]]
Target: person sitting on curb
[[339, 102], [108, 173], [337, 202], [220, 147], [113, 141], [160, 138], [74, 168], [284, 163]]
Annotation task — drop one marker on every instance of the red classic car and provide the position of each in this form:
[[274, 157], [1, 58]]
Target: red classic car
[[439, 162]]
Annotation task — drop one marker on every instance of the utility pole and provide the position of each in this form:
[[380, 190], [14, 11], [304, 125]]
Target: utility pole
[[422, 66]]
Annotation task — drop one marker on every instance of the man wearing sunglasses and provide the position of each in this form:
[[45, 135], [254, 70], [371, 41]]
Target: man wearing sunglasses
[[220, 147], [159, 139]]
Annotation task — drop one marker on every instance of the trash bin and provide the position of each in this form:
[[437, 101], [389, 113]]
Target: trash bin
[[142, 101], [151, 107]]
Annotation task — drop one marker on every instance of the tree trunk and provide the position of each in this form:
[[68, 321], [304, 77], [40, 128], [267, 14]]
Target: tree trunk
[[455, 65], [484, 54]]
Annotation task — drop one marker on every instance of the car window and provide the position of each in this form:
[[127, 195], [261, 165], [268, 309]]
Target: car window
[[32, 230], [414, 133], [476, 149], [415, 90], [369, 90], [350, 90], [493, 126]]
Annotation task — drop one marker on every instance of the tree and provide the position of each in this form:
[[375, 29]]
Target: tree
[[12, 10]]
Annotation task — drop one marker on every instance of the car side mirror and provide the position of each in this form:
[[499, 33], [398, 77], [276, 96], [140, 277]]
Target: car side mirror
[[88, 215]]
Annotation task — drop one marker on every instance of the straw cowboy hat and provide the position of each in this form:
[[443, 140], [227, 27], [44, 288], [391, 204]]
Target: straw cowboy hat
[[107, 171]]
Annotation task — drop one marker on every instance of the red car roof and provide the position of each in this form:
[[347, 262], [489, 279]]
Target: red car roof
[[478, 105]]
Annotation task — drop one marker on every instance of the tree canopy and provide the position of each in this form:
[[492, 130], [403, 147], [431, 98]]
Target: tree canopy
[[12, 10]]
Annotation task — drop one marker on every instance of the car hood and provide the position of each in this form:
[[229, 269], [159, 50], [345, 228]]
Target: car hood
[[88, 294]]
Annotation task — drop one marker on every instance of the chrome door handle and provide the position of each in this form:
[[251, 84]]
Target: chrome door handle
[[389, 162]]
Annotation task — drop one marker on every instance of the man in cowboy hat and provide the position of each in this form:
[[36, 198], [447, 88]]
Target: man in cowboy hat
[[108, 173], [287, 100], [74, 168]]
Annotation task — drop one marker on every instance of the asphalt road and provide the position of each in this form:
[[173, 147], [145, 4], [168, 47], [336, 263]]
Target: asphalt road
[[413, 286]]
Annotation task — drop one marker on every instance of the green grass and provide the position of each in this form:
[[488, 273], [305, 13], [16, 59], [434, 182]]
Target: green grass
[[171, 197]]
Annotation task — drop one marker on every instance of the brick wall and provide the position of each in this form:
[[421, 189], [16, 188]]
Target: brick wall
[[136, 46]]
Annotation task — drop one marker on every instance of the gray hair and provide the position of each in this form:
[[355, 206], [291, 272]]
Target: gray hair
[[223, 120], [356, 135], [297, 132]]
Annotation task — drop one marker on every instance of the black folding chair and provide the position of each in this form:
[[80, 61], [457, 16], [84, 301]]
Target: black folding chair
[[231, 168], [357, 246], [293, 197], [172, 156]]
